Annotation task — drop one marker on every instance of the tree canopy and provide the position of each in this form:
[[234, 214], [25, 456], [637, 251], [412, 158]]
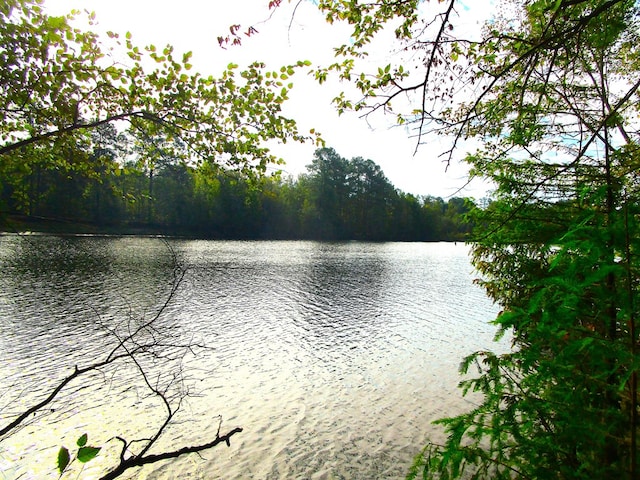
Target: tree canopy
[[59, 83]]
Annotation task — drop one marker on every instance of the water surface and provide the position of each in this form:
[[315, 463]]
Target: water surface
[[334, 357]]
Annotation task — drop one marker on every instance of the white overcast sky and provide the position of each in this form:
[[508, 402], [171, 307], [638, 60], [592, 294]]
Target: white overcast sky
[[194, 25]]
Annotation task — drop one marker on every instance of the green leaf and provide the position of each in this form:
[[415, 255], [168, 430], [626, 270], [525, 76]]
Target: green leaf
[[55, 23], [87, 453], [63, 459], [82, 441]]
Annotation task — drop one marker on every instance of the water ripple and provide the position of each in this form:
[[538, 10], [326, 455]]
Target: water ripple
[[334, 358]]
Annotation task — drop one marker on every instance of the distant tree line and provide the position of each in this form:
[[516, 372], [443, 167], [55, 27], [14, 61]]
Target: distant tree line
[[337, 199]]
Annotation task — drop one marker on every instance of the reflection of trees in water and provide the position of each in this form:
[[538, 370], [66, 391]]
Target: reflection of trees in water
[[66, 292], [80, 276]]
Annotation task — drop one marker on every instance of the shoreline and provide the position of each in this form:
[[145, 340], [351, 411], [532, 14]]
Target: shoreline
[[33, 225]]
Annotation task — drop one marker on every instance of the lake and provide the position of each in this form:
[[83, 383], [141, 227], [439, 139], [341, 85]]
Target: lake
[[333, 357]]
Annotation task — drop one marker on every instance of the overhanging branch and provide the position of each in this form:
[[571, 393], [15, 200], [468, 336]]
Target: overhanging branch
[[79, 126]]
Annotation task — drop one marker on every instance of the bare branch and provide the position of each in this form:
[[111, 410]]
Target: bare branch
[[142, 340], [139, 461]]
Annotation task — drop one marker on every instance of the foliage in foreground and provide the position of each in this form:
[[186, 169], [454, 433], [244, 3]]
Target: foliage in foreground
[[61, 85], [557, 250], [84, 454]]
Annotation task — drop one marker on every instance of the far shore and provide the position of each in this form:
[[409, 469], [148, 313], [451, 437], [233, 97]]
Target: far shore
[[23, 224], [35, 225]]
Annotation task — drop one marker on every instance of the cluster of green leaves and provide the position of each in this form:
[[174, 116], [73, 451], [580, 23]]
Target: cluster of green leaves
[[59, 82], [367, 21], [84, 454], [561, 404]]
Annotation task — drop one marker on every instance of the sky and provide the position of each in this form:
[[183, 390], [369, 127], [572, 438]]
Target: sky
[[194, 25]]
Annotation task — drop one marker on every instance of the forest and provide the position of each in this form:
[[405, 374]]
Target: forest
[[337, 199]]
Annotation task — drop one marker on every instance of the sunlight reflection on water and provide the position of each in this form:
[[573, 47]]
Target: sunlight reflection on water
[[333, 357]]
